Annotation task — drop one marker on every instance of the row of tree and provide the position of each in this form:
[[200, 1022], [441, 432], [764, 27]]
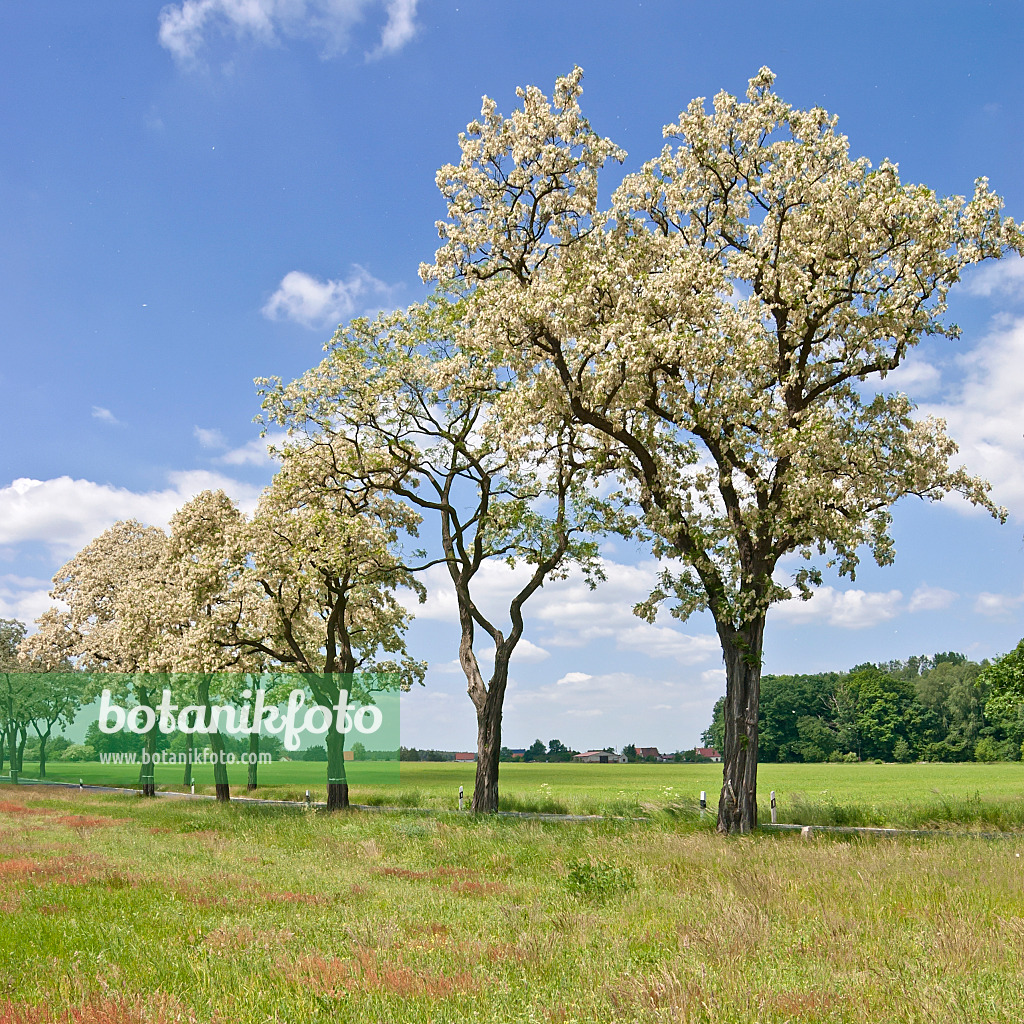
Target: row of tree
[[942, 708], [695, 354]]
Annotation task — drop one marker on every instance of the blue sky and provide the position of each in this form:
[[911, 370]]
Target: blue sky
[[194, 194]]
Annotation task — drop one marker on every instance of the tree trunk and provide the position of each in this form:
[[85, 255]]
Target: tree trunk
[[488, 746], [737, 806], [337, 780], [42, 755], [488, 740], [220, 768], [21, 749], [189, 746], [149, 765], [254, 755], [3, 748]]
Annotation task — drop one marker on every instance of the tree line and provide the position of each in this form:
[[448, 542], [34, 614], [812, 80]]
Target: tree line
[[938, 708]]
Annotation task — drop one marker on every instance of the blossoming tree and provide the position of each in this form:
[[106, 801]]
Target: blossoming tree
[[720, 332], [317, 591], [406, 410], [120, 608]]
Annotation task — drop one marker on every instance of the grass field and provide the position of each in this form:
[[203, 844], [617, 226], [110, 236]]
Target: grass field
[[119, 910], [981, 795]]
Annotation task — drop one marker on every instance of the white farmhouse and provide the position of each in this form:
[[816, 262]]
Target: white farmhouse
[[600, 757]]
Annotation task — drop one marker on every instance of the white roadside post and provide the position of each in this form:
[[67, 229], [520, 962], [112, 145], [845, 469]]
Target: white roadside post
[[307, 798], [460, 798], [773, 807], [703, 803], [193, 789]]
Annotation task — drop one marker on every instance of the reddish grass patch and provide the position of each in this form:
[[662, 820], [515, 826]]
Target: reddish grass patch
[[199, 895], [49, 909], [311, 899], [62, 871], [19, 867], [88, 821], [334, 977], [10, 807], [158, 1009], [478, 888], [433, 875]]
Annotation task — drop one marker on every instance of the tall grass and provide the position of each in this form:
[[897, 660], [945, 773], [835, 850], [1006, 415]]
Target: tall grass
[[119, 910]]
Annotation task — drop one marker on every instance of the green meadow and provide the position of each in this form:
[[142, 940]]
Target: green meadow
[[120, 910], [920, 795]]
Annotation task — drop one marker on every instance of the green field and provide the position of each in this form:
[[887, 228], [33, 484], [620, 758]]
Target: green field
[[982, 795], [118, 910]]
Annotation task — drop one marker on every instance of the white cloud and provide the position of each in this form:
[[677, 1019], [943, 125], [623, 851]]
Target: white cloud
[[569, 614], [253, 453], [320, 304], [984, 416], [930, 599], [400, 27], [1003, 277], [186, 27], [526, 653], [105, 416], [573, 677], [65, 514], [997, 606], [210, 438], [914, 377], [23, 597], [848, 609]]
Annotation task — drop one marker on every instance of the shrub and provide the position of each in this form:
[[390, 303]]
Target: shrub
[[597, 880], [78, 752], [986, 749]]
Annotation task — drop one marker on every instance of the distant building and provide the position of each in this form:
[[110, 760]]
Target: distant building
[[642, 752], [464, 755], [709, 752], [518, 753], [600, 757]]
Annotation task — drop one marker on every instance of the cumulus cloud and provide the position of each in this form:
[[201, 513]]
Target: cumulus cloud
[[105, 416], [568, 614], [320, 304], [573, 677], [399, 29], [998, 606], [23, 597], [1003, 277], [848, 609], [526, 653], [187, 27], [930, 599], [984, 416], [210, 438], [65, 514], [253, 453], [914, 377]]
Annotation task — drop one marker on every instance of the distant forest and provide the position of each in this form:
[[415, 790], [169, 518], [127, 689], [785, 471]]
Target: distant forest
[[934, 708]]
